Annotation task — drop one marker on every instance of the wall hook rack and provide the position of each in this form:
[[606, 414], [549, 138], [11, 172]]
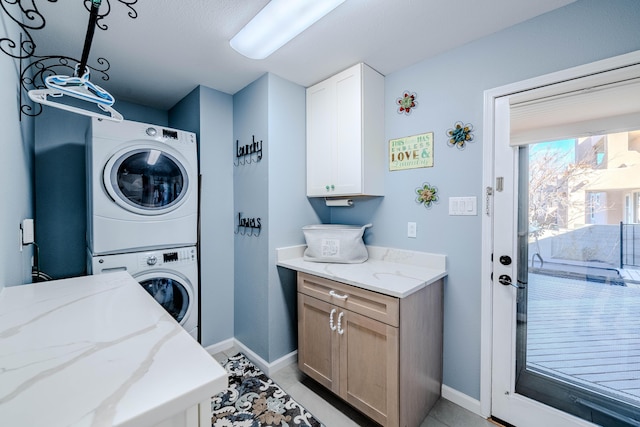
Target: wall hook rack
[[248, 226], [248, 153], [35, 68]]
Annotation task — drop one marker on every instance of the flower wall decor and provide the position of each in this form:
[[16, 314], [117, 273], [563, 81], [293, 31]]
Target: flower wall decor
[[407, 102], [460, 134], [427, 195]]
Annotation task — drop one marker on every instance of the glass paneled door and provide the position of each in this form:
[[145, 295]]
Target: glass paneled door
[[578, 304], [565, 291]]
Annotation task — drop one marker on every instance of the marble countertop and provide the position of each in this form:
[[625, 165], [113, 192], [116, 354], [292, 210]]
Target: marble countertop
[[394, 272], [96, 351]]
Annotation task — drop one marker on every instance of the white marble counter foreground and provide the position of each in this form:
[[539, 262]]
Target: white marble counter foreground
[[393, 272], [96, 351]]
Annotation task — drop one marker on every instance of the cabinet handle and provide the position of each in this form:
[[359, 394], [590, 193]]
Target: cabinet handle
[[340, 330], [333, 311], [334, 294]]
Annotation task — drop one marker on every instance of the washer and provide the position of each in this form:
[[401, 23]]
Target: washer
[[142, 187], [170, 276]]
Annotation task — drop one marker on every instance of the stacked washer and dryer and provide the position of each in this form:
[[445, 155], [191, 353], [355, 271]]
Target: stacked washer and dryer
[[142, 195]]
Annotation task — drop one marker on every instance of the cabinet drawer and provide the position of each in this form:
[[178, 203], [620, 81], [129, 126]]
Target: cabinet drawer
[[368, 303]]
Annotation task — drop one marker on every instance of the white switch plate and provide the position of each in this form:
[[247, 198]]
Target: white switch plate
[[466, 206], [412, 229], [27, 231]]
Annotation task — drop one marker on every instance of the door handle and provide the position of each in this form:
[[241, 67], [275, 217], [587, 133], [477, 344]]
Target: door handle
[[331, 325], [506, 281], [334, 294], [340, 330]]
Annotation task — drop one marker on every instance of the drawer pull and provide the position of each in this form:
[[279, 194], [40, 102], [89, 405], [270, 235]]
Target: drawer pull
[[334, 294], [340, 330], [331, 326]]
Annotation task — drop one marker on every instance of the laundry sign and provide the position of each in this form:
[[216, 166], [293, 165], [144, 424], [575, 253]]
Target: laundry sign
[[411, 152]]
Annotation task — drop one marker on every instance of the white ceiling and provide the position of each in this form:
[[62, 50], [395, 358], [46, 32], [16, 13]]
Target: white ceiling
[[175, 45]]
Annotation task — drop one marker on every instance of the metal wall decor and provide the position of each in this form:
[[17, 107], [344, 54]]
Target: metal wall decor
[[248, 226], [25, 14], [427, 195], [248, 153], [459, 135], [407, 102]]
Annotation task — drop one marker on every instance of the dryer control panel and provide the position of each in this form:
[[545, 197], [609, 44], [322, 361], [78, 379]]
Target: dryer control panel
[[180, 256]]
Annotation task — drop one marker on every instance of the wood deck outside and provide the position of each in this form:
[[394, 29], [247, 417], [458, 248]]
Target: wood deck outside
[[587, 332]]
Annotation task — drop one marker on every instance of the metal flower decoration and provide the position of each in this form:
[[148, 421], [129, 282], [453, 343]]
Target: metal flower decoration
[[407, 102], [460, 134], [427, 195]]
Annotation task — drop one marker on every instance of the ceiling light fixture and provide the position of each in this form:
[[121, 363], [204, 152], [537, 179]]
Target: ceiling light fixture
[[277, 23]]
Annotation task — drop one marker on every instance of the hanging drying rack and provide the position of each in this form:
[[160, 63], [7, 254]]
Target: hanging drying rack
[[46, 77]]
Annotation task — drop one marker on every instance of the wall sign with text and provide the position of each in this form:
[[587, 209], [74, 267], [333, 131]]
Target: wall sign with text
[[411, 152]]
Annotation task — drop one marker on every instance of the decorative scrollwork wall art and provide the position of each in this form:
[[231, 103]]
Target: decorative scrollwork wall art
[[106, 9], [407, 102], [25, 14], [427, 195], [459, 135]]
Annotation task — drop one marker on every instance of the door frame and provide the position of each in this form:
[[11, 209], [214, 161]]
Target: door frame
[[489, 132]]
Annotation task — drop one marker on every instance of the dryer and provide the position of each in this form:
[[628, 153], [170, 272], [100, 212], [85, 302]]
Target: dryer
[[142, 187], [170, 276]]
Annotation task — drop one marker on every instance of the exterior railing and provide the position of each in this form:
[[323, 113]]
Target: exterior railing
[[629, 245]]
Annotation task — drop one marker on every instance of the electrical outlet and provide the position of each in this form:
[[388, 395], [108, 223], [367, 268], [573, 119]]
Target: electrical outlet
[[412, 230]]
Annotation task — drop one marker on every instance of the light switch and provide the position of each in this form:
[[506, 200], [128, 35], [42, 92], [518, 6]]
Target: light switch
[[466, 206]]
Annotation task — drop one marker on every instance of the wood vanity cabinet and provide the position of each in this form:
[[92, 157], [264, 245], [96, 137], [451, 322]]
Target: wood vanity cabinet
[[381, 354], [345, 134]]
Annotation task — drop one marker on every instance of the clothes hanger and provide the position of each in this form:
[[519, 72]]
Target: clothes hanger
[[48, 96], [79, 86]]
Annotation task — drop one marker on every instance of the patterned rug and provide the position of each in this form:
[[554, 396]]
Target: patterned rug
[[254, 400]]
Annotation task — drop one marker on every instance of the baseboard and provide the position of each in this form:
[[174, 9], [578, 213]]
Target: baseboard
[[221, 346], [462, 400], [263, 365]]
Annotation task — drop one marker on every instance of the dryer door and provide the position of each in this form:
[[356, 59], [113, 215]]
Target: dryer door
[[147, 180], [171, 290]]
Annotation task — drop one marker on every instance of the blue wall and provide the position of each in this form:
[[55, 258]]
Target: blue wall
[[273, 189], [450, 88], [209, 114], [16, 170], [287, 213], [251, 199]]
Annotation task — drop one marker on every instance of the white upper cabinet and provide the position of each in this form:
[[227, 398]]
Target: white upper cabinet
[[345, 134]]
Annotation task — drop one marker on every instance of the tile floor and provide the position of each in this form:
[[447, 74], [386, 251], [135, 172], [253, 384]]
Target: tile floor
[[333, 412]]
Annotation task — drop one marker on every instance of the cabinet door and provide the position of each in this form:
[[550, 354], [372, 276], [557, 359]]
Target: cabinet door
[[317, 342], [369, 367], [334, 135], [348, 111], [321, 139]]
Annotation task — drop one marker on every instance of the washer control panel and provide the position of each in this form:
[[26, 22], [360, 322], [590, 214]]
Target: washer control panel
[[180, 256]]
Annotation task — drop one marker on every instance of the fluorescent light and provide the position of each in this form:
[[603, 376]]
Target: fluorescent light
[[277, 23], [153, 157]]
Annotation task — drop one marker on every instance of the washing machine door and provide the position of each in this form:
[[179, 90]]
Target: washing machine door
[[171, 290], [147, 180]]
